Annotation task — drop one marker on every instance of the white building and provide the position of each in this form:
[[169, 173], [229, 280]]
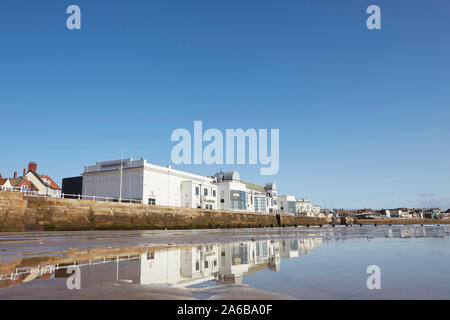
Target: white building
[[315, 209], [386, 213], [400, 213], [149, 184], [272, 197], [256, 197], [304, 207], [287, 204], [232, 193], [238, 195]]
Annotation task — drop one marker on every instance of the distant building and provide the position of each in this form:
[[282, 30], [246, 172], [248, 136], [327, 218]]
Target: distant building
[[304, 207], [315, 209], [402, 213], [385, 213], [287, 204]]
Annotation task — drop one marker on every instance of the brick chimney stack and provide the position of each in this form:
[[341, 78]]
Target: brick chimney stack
[[15, 174], [32, 166], [1, 176], [24, 172]]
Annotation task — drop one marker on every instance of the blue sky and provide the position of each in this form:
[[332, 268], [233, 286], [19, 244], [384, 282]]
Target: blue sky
[[363, 115]]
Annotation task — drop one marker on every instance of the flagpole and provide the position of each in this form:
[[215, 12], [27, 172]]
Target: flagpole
[[121, 170]]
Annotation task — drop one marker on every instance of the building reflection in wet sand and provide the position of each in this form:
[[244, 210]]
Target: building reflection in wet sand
[[198, 265]]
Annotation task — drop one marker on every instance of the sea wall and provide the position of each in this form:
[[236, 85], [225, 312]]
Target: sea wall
[[18, 212], [401, 221], [14, 213]]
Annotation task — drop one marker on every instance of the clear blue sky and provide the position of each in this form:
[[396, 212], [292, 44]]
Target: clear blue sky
[[363, 115]]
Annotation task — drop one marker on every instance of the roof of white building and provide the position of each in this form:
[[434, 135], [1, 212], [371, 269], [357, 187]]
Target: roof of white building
[[253, 186], [129, 163], [271, 186], [230, 175]]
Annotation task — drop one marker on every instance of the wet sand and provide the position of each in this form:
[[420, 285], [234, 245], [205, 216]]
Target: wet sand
[[26, 250], [31, 244]]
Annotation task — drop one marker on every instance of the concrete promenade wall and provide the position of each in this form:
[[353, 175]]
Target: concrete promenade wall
[[18, 213]]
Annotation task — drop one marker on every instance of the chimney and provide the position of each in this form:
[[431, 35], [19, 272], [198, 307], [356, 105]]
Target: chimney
[[24, 172], [1, 176], [15, 174], [32, 166]]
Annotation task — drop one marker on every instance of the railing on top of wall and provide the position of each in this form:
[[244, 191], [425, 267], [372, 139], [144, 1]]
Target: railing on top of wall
[[69, 196]]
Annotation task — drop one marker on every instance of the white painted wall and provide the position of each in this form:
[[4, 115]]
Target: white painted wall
[[224, 192], [142, 181]]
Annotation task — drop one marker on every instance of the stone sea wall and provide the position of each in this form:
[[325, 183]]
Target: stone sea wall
[[18, 213]]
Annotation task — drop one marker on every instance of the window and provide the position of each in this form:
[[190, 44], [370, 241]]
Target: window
[[150, 256], [237, 199], [214, 193], [292, 207], [215, 263], [197, 265], [206, 264], [260, 204], [222, 200], [205, 192], [152, 201], [197, 191]]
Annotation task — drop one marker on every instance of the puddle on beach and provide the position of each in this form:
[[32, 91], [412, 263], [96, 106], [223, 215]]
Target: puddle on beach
[[325, 263]]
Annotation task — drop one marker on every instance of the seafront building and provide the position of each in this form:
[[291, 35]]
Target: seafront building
[[287, 204], [149, 184], [304, 207], [232, 192], [239, 195]]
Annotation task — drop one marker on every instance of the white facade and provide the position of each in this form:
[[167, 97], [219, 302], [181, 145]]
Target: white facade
[[235, 194], [149, 183], [272, 197], [43, 184], [287, 204], [232, 193], [256, 197], [315, 209], [304, 207], [5, 185], [386, 213]]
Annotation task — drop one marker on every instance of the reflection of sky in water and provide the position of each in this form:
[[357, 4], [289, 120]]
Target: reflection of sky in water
[[414, 263], [410, 268]]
